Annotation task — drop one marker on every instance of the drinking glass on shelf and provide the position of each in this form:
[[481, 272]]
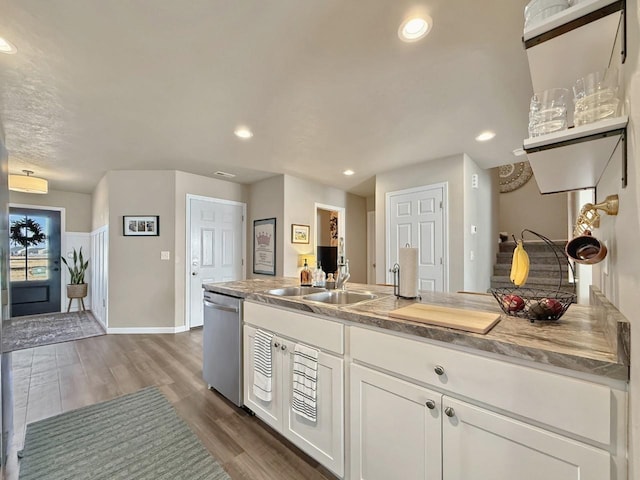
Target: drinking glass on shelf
[[596, 97], [548, 111]]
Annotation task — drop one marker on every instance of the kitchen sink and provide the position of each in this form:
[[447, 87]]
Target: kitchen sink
[[294, 291], [340, 297]]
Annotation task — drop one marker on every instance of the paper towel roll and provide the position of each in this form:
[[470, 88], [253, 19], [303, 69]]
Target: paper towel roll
[[408, 262]]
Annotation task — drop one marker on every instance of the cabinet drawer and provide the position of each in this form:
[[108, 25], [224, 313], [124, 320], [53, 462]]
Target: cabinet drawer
[[324, 334], [576, 406]]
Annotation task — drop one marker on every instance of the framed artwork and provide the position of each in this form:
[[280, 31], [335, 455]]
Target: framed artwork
[[264, 246], [299, 233], [141, 225]]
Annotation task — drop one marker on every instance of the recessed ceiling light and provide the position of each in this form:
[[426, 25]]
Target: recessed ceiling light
[[518, 152], [348, 172], [413, 29], [7, 47], [243, 132], [485, 136]]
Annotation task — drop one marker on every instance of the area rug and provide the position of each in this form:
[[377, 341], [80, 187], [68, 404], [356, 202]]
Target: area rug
[[134, 437], [46, 329]]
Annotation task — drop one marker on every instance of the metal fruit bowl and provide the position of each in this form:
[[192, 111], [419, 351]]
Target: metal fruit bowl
[[533, 304]]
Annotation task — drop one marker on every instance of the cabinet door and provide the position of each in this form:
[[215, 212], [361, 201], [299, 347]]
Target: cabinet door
[[270, 412], [478, 444], [324, 438], [394, 433]]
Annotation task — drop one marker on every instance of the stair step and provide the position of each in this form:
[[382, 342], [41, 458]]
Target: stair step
[[535, 269], [532, 246], [543, 258]]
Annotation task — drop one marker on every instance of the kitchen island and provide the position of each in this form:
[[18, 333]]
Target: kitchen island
[[411, 400]]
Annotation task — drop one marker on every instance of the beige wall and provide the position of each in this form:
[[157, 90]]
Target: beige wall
[[100, 204], [371, 203], [622, 283], [481, 211], [448, 170], [141, 286], [266, 200], [187, 183], [77, 206], [527, 208], [356, 233]]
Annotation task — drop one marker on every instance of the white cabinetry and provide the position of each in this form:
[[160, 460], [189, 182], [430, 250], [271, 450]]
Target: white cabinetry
[[490, 419], [478, 445], [324, 438], [395, 428]]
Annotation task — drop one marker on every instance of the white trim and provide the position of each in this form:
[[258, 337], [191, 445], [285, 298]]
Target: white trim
[[187, 256], [144, 330], [103, 228], [342, 231], [445, 220], [63, 239]]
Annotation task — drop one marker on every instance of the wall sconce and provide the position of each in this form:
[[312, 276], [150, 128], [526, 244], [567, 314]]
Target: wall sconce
[[589, 217], [28, 184]]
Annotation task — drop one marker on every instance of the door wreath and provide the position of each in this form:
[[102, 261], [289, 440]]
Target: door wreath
[[26, 232]]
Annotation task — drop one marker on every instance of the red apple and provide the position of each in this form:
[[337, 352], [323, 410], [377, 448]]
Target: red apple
[[513, 303], [551, 305]]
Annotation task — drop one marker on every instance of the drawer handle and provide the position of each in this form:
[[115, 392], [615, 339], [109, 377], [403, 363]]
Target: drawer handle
[[439, 370], [283, 348], [431, 404], [277, 345], [449, 412]]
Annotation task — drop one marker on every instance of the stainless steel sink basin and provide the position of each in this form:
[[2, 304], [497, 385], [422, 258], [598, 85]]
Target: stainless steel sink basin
[[340, 297], [295, 291]]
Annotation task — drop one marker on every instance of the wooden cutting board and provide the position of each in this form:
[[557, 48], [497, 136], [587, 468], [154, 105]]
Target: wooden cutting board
[[467, 320]]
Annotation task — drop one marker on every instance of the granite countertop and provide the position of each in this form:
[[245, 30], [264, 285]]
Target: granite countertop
[[592, 339]]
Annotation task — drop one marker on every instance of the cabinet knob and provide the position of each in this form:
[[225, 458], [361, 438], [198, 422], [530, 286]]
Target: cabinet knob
[[439, 370], [449, 412], [283, 348], [431, 404], [277, 345]]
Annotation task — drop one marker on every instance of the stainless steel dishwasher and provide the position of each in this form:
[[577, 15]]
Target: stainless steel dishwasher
[[222, 345]]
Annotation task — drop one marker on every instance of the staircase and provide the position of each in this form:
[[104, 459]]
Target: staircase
[[544, 271]]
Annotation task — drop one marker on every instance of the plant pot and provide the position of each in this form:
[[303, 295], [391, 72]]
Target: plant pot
[[77, 290]]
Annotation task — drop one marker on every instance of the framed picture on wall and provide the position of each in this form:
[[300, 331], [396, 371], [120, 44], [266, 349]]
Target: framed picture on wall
[[264, 246], [299, 233], [141, 226]]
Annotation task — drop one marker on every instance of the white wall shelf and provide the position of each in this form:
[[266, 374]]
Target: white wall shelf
[[575, 159], [564, 47]]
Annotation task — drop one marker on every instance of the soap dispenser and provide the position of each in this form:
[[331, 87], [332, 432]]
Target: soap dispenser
[[305, 275]]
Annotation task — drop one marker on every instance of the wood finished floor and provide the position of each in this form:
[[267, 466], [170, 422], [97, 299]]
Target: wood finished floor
[[57, 378]]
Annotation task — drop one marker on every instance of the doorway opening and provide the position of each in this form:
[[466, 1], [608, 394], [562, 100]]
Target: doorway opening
[[34, 260], [330, 239]]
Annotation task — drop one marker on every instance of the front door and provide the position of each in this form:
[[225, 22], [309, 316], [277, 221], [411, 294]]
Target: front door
[[34, 261], [215, 248], [416, 217]]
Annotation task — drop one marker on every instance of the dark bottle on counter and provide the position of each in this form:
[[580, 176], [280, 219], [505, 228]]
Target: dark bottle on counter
[[305, 275]]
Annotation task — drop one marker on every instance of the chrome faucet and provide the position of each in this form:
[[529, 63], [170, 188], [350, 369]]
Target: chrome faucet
[[343, 275]]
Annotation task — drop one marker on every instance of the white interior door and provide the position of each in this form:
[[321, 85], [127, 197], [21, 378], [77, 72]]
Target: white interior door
[[417, 217], [215, 248]]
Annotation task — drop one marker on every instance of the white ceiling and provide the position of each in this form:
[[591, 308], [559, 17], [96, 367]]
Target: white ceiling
[[325, 85]]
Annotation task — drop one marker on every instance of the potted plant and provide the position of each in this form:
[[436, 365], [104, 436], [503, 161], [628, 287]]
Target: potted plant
[[76, 288]]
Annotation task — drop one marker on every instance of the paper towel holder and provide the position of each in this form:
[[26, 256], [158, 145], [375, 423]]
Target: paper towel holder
[[396, 283]]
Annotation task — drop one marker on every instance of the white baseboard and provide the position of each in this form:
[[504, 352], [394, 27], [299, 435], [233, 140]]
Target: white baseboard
[[145, 330]]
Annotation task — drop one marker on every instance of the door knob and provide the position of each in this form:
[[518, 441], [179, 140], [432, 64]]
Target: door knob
[[431, 404], [193, 274], [283, 348], [439, 369], [276, 344], [449, 412]]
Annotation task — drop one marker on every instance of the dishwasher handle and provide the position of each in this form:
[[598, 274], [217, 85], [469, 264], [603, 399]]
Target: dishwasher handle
[[217, 306]]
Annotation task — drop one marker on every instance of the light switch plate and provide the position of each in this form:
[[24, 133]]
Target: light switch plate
[[164, 255]]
